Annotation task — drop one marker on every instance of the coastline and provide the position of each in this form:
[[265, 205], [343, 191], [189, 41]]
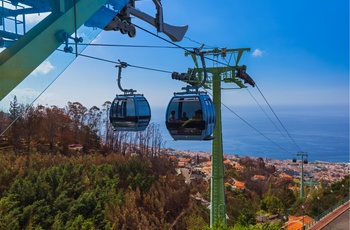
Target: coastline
[[315, 171]]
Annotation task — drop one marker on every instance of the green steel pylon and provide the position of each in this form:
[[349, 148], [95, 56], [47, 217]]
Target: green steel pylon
[[303, 161], [217, 195]]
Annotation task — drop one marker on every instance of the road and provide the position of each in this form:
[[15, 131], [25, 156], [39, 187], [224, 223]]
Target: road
[[336, 220], [339, 223]]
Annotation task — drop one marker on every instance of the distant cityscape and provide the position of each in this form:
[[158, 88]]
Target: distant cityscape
[[314, 172]]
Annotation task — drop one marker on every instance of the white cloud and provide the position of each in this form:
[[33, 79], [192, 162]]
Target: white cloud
[[43, 68], [35, 18], [257, 53]]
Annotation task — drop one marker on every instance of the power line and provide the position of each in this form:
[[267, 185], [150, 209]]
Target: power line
[[156, 35], [114, 62], [255, 128], [277, 118], [250, 125], [267, 115], [199, 43], [225, 64], [164, 71], [130, 46]]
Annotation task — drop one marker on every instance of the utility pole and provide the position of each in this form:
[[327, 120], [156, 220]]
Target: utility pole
[[217, 195], [303, 161]]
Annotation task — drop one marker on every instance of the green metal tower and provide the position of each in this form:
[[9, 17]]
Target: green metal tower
[[303, 161], [227, 74]]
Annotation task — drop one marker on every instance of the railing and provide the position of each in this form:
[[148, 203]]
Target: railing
[[326, 213]]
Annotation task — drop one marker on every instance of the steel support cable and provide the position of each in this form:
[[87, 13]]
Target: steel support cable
[[75, 28], [268, 116], [250, 125], [135, 66], [255, 128], [181, 47], [156, 35], [190, 39], [278, 118], [164, 71], [291, 139], [131, 46], [25, 110], [218, 63]]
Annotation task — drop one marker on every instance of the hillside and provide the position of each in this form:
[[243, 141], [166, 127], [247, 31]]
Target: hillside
[[58, 171], [93, 191]]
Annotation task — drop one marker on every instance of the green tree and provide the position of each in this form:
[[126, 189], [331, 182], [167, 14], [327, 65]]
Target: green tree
[[272, 204], [246, 217], [31, 122], [15, 111]]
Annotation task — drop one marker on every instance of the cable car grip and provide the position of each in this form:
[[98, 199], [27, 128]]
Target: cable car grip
[[120, 66], [187, 76]]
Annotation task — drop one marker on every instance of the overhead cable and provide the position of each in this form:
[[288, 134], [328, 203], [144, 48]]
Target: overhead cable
[[267, 115], [164, 71], [278, 118], [131, 46], [114, 62], [225, 64]]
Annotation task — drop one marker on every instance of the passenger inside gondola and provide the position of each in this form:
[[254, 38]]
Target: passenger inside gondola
[[196, 121], [172, 116], [190, 117], [184, 117]]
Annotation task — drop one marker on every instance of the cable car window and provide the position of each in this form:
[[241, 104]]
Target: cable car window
[[130, 108], [144, 112], [130, 113], [144, 109], [187, 117], [210, 110]]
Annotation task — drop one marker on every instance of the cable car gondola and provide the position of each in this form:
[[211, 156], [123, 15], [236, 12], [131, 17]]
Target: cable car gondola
[[190, 115], [129, 112]]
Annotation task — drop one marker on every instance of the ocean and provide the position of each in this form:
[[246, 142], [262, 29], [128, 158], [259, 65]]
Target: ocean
[[320, 131]]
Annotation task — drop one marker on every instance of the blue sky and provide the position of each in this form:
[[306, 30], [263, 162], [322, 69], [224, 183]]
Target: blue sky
[[299, 57], [299, 53]]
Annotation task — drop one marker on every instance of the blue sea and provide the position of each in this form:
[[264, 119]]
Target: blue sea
[[320, 131]]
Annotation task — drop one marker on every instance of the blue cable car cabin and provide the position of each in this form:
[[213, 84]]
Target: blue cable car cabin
[[190, 117], [130, 113]]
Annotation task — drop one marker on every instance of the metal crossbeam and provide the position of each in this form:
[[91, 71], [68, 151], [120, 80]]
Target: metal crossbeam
[[45, 36]]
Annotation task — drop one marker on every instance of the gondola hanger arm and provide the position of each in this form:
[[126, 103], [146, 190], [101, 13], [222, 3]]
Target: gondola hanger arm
[[120, 66], [201, 55]]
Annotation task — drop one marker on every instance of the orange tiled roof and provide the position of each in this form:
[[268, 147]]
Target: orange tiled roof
[[173, 157], [296, 222], [206, 170], [259, 177], [239, 184], [293, 188], [185, 159], [286, 176], [239, 167]]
